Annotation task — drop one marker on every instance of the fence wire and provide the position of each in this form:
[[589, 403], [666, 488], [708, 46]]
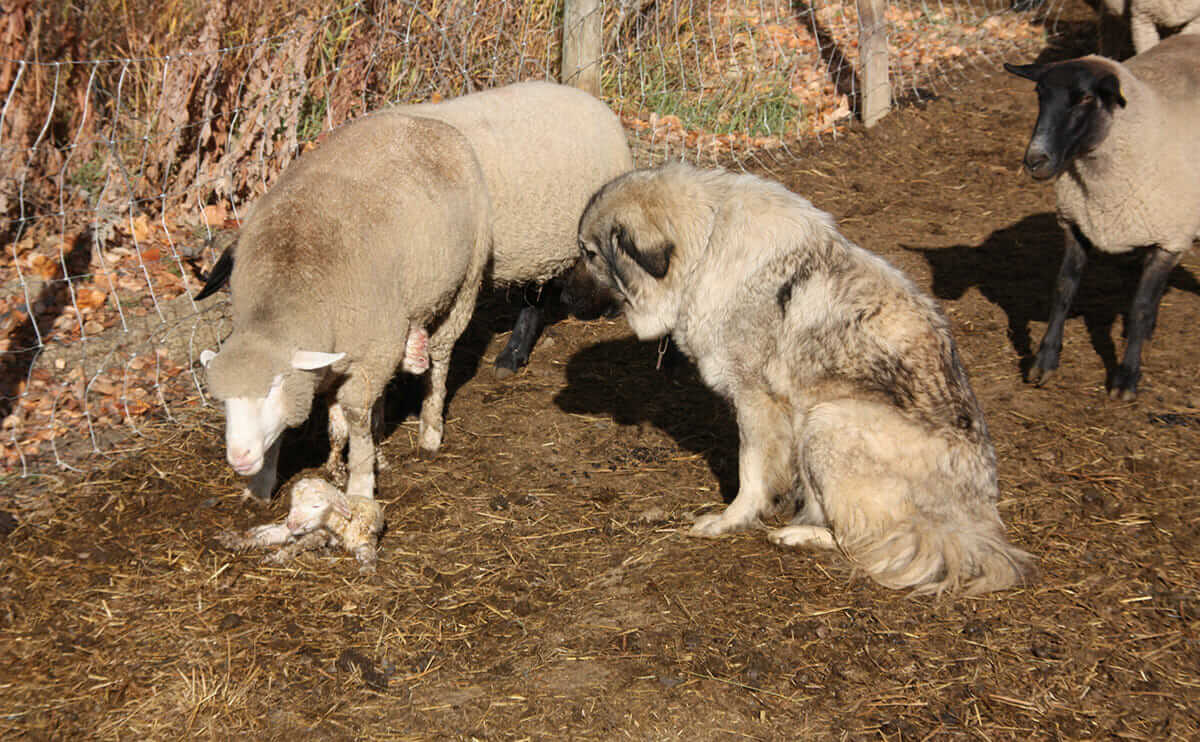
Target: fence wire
[[122, 175]]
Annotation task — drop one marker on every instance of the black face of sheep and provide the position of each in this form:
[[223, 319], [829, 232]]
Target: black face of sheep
[[1076, 100]]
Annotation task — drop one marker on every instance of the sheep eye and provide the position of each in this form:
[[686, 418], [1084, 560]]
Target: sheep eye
[[1086, 100]]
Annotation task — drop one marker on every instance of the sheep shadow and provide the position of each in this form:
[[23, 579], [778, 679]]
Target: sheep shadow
[[1015, 269], [618, 379]]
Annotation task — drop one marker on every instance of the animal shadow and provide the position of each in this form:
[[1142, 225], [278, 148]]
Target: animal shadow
[[1015, 269], [618, 378]]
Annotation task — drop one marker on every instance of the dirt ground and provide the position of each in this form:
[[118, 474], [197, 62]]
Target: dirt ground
[[534, 578]]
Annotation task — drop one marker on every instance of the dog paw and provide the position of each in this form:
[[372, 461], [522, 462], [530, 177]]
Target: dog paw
[[812, 537], [715, 525]]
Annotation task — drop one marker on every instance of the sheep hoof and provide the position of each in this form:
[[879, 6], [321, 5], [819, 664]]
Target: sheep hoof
[[503, 372], [1124, 385], [1038, 376], [232, 540], [1125, 394]]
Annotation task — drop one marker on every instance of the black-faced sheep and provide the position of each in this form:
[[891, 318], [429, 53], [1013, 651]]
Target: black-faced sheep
[[1121, 141], [376, 235]]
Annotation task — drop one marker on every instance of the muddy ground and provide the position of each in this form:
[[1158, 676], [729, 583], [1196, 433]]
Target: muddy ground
[[534, 580]]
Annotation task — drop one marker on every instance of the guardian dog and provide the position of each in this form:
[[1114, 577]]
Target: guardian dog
[[852, 404]]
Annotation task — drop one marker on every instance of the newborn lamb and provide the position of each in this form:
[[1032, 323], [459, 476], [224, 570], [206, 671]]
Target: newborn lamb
[[321, 515]]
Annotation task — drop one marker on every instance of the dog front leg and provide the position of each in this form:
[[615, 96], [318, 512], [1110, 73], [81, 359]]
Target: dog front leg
[[764, 467]]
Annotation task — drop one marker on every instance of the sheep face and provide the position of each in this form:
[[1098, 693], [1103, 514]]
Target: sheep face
[[1076, 103], [254, 421], [310, 507]]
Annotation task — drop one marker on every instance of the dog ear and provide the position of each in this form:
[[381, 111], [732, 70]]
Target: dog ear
[[654, 260], [1109, 91], [1028, 71]]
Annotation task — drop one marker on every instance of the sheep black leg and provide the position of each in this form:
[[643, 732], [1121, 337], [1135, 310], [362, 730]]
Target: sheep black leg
[[525, 333], [1139, 323], [1069, 273]]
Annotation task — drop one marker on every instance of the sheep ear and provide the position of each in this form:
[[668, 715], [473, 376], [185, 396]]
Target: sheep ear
[[1109, 90], [206, 357], [1028, 71], [341, 505], [654, 260], [311, 360]]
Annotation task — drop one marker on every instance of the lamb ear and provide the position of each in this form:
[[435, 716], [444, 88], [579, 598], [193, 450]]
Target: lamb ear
[[1109, 90], [340, 504], [311, 360], [1028, 71], [206, 357]]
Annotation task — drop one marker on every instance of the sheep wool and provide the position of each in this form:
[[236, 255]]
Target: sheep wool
[[1141, 185], [545, 149], [382, 228]]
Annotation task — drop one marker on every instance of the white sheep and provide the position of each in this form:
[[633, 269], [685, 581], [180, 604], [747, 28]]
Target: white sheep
[[363, 243], [320, 515], [545, 149], [1121, 140], [1146, 17]]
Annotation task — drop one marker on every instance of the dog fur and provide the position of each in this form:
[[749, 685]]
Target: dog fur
[[851, 401]]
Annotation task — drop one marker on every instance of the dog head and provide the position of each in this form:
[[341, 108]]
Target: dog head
[[638, 235]]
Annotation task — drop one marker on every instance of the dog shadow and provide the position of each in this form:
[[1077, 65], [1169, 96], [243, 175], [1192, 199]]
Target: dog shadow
[[618, 379], [1015, 269]]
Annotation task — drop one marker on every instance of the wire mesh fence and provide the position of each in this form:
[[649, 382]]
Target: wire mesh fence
[[122, 169]]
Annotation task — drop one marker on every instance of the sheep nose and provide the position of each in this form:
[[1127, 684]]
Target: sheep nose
[[1038, 163], [243, 460]]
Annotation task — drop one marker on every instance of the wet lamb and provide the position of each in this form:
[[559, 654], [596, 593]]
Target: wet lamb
[[1121, 142], [320, 515]]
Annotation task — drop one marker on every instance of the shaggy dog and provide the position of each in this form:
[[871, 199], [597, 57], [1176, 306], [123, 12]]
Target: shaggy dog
[[851, 401]]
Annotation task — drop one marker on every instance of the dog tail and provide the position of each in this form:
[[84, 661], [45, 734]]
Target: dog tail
[[935, 557]]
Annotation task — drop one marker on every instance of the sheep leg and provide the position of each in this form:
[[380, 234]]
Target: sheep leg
[[270, 534], [339, 435], [1069, 274], [440, 346], [262, 484], [525, 333], [377, 431], [764, 464], [307, 542], [1139, 323], [361, 458], [365, 554]]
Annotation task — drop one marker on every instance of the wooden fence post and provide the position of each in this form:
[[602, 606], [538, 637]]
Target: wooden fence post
[[873, 61], [583, 44]]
